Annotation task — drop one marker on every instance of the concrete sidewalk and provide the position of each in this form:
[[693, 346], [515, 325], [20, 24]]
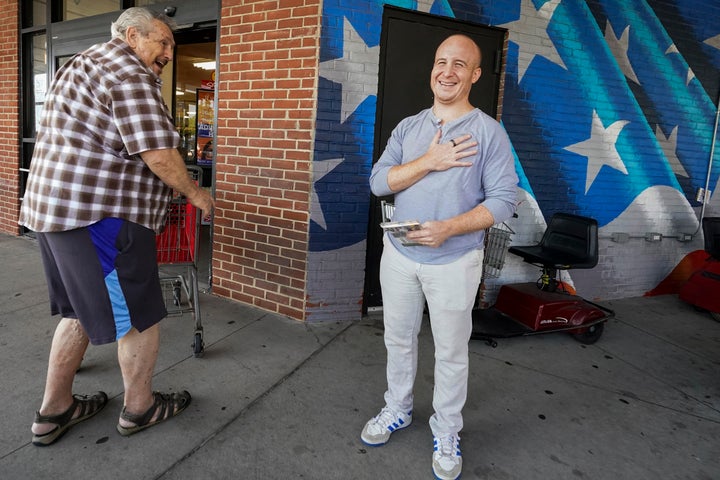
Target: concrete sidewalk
[[276, 399]]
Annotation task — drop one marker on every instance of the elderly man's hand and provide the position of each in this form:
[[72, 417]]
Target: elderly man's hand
[[202, 199]]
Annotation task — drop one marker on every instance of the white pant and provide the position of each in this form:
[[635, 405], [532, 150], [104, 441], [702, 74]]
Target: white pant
[[450, 293]]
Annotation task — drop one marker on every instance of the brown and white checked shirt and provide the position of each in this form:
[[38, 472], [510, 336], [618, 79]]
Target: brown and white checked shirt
[[103, 109]]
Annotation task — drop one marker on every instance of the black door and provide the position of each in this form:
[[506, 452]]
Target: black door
[[407, 51]]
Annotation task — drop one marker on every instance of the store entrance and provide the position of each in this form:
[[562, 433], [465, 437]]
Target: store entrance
[[193, 108]]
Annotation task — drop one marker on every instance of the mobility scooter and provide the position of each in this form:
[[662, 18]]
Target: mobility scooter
[[569, 242]]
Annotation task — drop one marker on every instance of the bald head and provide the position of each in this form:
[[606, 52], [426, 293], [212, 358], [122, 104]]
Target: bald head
[[463, 41], [456, 69]]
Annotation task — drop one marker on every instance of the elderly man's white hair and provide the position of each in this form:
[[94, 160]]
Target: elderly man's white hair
[[140, 18]]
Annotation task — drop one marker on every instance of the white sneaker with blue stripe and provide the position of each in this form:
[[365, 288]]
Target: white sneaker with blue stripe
[[447, 459], [378, 429]]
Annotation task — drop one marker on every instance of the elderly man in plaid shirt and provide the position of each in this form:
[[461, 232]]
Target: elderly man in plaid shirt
[[104, 163]]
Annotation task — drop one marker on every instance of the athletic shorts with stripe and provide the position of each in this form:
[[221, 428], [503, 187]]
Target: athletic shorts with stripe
[[106, 276]]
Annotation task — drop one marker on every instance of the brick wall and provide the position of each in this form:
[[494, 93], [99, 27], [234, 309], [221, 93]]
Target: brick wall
[[266, 101], [9, 112]]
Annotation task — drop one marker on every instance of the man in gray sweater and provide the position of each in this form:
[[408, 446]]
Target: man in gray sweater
[[451, 168]]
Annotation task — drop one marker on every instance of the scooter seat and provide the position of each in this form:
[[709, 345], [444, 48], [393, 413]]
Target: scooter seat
[[570, 241], [538, 255]]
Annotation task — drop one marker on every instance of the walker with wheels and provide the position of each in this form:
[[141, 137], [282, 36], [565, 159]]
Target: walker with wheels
[[177, 252]]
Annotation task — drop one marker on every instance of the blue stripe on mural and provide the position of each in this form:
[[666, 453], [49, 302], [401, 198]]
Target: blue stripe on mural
[[570, 110], [345, 126], [701, 19], [675, 103], [693, 25]]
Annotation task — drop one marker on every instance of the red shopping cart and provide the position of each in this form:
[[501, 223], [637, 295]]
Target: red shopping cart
[[177, 252]]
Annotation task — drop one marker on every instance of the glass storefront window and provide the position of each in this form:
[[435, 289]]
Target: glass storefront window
[[33, 13], [194, 86], [35, 64], [87, 8], [35, 51]]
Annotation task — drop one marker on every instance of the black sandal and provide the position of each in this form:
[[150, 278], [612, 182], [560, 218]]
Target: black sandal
[[170, 405], [89, 406]]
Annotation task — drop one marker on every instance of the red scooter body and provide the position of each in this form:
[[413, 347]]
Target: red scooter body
[[546, 311]]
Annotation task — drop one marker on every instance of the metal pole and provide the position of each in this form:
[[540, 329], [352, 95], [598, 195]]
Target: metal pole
[[709, 169]]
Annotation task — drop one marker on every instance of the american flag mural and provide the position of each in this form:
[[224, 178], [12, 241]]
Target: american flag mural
[[611, 109]]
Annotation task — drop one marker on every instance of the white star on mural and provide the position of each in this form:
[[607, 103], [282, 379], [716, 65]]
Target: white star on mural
[[619, 49], [600, 148], [357, 84], [320, 169], [669, 147], [690, 74], [425, 5], [713, 41], [535, 23]]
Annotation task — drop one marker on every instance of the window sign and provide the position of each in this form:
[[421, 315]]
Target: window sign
[[204, 130], [40, 81]]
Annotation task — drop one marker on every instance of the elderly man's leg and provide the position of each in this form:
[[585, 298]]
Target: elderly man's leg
[[137, 354], [68, 348]]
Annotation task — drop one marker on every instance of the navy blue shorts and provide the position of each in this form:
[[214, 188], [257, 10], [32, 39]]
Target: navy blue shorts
[[106, 276]]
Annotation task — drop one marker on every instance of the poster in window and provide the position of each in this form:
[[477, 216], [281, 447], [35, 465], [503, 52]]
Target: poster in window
[[204, 130]]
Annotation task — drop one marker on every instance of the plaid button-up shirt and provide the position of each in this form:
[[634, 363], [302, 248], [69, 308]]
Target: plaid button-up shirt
[[103, 109]]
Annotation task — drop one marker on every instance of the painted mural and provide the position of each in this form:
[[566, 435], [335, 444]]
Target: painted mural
[[611, 106]]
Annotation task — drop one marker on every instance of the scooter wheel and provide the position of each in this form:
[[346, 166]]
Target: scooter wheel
[[591, 334], [715, 316]]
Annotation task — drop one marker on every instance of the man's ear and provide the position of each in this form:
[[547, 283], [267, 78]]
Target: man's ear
[[476, 74], [131, 36]]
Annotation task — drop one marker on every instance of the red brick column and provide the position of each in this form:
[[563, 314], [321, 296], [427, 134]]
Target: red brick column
[[267, 86], [10, 133]]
